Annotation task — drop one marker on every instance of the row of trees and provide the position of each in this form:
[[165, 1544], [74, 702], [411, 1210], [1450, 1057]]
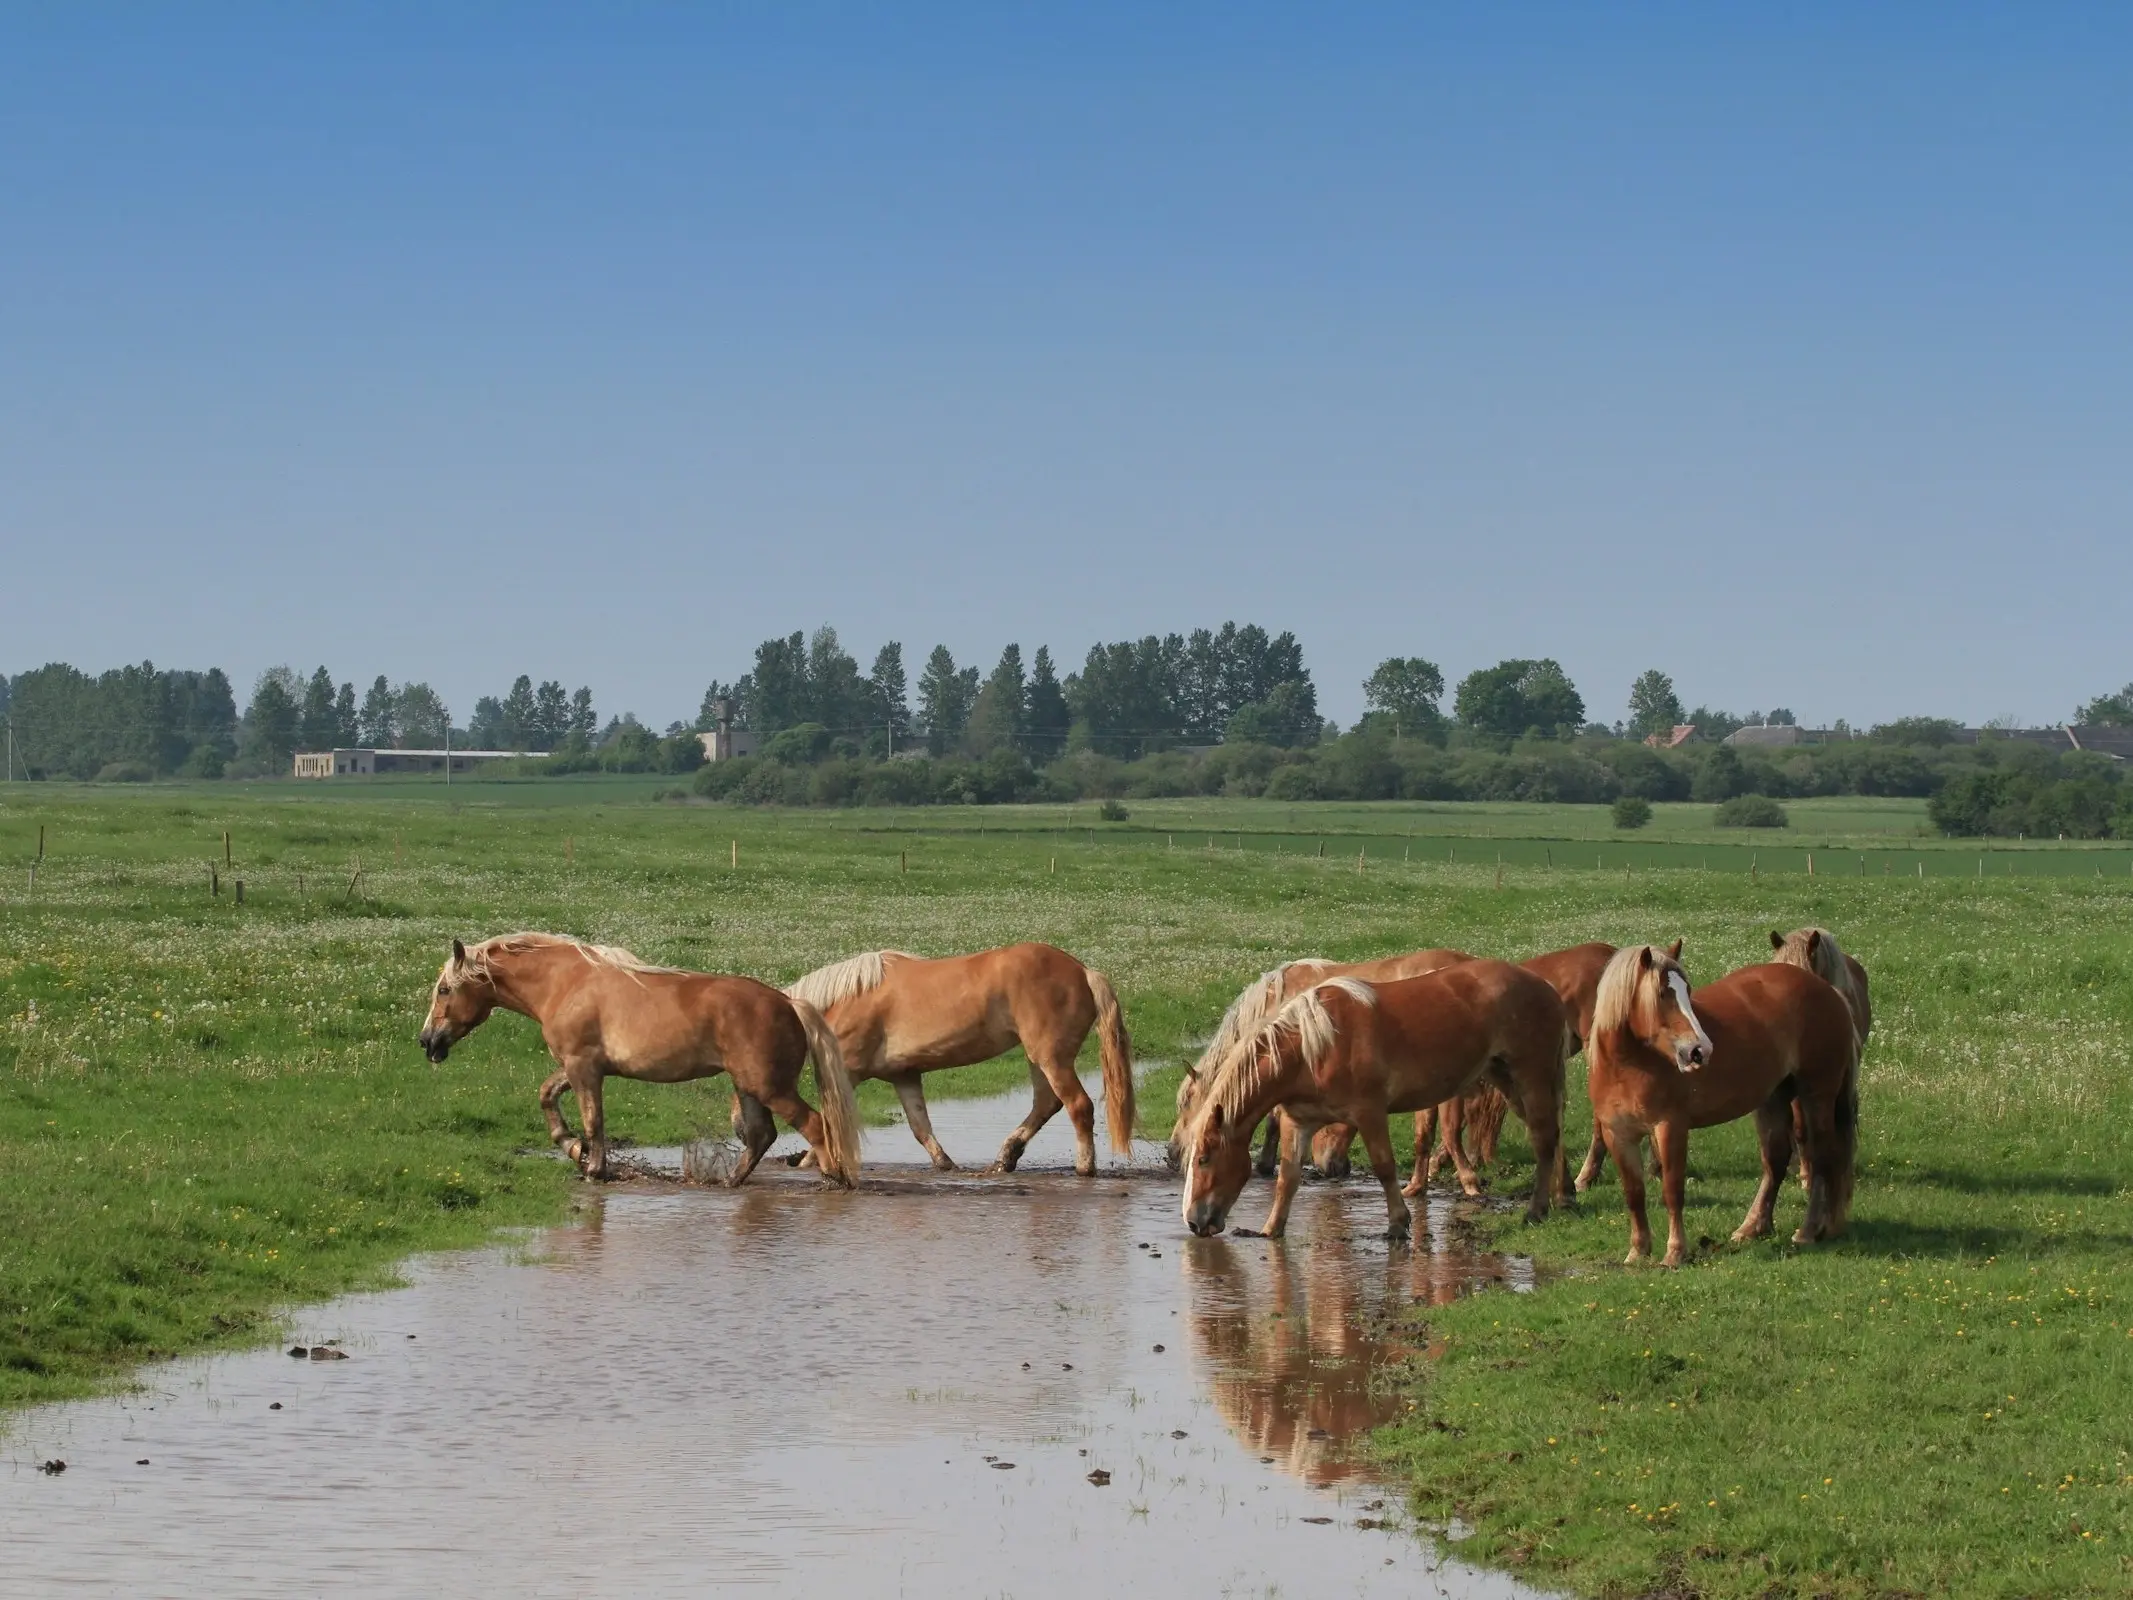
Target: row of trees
[[1129, 697]]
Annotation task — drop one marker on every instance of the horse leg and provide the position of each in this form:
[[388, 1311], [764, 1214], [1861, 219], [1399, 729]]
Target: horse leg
[[911, 1091], [1042, 1104], [1288, 1178], [1454, 1114], [1670, 1144], [1595, 1157], [1332, 1159], [1543, 1109], [801, 1117], [592, 1118], [1269, 1160], [1377, 1144], [1818, 1125], [1080, 1109], [1425, 1165], [1626, 1145], [1773, 1132], [558, 1129], [751, 1121]]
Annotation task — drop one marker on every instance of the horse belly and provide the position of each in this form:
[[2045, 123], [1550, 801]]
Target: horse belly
[[934, 1049]]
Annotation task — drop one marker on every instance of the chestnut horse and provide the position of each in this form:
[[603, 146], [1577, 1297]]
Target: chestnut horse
[[1758, 1040], [1817, 950], [898, 1016], [603, 1013], [1575, 975], [1263, 997], [1354, 1052]]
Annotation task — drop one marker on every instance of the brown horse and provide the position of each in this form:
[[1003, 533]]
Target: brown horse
[[1817, 950], [1263, 997], [603, 1013], [1575, 975], [1756, 1041], [1353, 1052], [897, 1017]]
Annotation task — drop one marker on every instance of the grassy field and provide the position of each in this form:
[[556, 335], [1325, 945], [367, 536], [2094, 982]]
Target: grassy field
[[212, 1111]]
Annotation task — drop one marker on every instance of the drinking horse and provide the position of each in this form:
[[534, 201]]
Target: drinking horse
[[1260, 1000], [898, 1016], [605, 1014], [1354, 1052], [1758, 1040]]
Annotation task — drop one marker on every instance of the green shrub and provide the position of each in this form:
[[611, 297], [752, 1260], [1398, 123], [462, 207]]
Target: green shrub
[[1632, 811], [1112, 811], [124, 772], [1751, 811]]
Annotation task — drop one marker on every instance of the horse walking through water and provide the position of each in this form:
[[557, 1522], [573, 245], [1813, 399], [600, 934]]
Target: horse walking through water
[[898, 1016], [1575, 975], [1263, 997], [603, 1013], [1758, 1040], [1354, 1052]]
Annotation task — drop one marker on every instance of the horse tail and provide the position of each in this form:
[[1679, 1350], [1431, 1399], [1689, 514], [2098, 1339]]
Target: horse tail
[[840, 1111], [1117, 1051], [1846, 1154]]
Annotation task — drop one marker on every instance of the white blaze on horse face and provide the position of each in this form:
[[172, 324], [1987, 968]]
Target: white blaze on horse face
[[1689, 1054]]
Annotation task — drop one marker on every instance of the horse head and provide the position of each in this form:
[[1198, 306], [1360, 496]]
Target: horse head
[[1645, 991], [461, 1002], [1221, 1161], [1188, 1097]]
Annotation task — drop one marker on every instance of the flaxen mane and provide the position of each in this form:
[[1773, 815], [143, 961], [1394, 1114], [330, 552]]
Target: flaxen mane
[[1628, 989], [840, 980], [1261, 998], [598, 955], [1817, 950], [1252, 1059]]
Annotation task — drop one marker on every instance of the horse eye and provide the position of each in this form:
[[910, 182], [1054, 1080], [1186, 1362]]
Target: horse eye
[[442, 991]]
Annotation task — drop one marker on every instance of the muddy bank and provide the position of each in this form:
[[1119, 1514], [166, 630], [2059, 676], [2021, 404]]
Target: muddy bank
[[1029, 1386]]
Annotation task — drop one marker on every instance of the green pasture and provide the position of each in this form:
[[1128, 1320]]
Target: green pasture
[[210, 1112]]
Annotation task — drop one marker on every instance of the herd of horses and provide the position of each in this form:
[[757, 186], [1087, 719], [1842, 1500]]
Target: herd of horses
[[1322, 1053]]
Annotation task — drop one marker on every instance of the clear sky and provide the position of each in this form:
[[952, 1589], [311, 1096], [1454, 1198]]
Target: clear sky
[[1785, 348]]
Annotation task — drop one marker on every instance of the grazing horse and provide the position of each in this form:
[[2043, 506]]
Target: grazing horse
[[1758, 1040], [898, 1016], [1354, 1052], [603, 1013], [1260, 1000], [1575, 975]]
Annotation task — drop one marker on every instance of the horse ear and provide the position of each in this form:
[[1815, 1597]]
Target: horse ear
[[1673, 951], [1214, 1117], [1814, 941], [1777, 940], [1644, 958], [459, 954]]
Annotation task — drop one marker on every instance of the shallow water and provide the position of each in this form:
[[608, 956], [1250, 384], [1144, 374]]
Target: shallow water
[[898, 1391]]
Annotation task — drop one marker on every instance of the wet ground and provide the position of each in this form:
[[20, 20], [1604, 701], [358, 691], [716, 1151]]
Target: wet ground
[[940, 1385]]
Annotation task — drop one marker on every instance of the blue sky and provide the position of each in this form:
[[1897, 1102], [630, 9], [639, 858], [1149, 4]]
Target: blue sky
[[1788, 349]]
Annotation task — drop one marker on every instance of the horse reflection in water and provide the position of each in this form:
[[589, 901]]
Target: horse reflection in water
[[1297, 1342]]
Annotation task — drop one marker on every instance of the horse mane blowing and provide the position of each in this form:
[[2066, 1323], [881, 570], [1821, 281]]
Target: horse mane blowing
[[840, 980], [1628, 986], [1253, 1059]]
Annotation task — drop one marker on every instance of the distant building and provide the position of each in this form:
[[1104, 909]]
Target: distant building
[[1680, 734], [723, 744], [354, 763], [1767, 735]]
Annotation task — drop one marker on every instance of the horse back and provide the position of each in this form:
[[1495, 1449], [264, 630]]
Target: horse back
[[667, 1023], [1781, 1020], [1575, 975], [955, 1010], [1439, 1032]]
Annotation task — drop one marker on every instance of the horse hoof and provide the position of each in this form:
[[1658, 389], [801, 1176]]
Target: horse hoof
[[573, 1152], [943, 1164], [1802, 1236]]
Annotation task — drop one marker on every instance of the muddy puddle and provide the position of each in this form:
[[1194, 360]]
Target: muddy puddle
[[940, 1385]]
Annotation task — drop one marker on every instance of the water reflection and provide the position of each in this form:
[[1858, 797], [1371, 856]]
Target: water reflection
[[1298, 1338]]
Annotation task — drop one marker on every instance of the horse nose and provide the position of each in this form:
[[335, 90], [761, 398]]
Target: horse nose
[[1696, 1055]]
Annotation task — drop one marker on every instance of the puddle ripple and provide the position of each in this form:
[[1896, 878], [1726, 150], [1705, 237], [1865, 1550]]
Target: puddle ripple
[[788, 1388]]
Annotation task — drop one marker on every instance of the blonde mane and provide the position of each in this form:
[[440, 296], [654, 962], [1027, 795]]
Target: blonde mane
[[1252, 1060], [1261, 998], [1817, 950], [840, 980], [598, 955], [1629, 989]]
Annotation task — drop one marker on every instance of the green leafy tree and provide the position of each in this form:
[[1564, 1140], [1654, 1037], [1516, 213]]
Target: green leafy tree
[[892, 692], [998, 716], [1046, 717], [837, 696], [945, 696], [2108, 710], [584, 721], [319, 725], [778, 695], [485, 729], [273, 721], [1517, 697], [551, 716], [1407, 689], [424, 719], [516, 715], [379, 720], [344, 716], [1654, 707]]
